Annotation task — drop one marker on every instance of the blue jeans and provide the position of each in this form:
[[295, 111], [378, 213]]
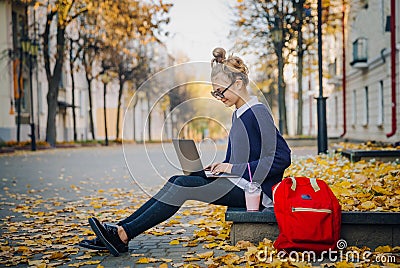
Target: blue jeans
[[174, 193]]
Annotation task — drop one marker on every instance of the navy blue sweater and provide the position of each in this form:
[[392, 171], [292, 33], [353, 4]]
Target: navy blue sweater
[[254, 139]]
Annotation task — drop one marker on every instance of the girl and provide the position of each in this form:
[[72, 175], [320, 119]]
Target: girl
[[255, 148]]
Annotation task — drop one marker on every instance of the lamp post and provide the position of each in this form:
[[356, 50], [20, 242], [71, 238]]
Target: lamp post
[[321, 100], [277, 38], [18, 100], [142, 96], [105, 78], [30, 49]]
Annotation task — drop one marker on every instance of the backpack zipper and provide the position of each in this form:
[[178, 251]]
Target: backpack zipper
[[311, 210]]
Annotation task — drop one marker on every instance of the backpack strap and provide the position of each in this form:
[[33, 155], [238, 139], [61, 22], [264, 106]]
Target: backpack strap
[[314, 184], [294, 183]]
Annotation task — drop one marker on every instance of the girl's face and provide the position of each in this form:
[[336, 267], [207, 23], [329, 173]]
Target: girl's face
[[230, 91]]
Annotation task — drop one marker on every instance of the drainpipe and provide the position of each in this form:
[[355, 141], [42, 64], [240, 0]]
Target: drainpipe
[[393, 63], [344, 69]]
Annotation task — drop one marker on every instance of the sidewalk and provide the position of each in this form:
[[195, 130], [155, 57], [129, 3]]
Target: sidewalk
[[47, 197]]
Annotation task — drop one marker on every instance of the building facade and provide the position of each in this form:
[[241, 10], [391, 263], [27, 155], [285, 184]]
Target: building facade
[[27, 101], [368, 89]]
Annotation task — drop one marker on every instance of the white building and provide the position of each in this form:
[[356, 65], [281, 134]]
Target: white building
[[13, 21], [13, 29], [368, 93], [368, 89]]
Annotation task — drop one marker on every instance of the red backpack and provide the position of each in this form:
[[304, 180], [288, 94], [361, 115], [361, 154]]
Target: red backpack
[[308, 215]]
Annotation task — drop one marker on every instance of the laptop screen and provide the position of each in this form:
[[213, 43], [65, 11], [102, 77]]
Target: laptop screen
[[188, 156]]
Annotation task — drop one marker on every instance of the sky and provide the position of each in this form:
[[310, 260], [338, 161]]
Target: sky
[[198, 26]]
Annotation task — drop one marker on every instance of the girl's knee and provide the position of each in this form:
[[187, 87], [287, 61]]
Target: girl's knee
[[173, 178], [181, 181]]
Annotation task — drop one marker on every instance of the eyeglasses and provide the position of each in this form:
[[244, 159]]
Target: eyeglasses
[[218, 94]]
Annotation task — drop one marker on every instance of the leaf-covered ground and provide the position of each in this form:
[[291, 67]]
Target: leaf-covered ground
[[359, 186], [44, 232], [369, 145]]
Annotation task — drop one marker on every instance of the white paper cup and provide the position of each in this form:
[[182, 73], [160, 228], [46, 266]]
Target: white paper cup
[[252, 193]]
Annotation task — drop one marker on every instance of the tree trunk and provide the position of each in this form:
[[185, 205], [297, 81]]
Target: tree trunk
[[71, 66], [281, 93], [135, 102], [300, 58], [54, 81], [105, 113], [149, 114], [19, 99], [285, 127], [89, 81], [300, 94], [52, 104], [121, 87]]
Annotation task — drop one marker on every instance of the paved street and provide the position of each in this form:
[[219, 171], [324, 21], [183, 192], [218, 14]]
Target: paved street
[[48, 195]]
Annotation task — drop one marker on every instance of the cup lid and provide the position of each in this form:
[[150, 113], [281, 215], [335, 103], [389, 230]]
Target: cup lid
[[252, 187]]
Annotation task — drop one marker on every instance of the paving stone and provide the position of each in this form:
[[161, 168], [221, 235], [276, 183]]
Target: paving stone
[[140, 250], [49, 164]]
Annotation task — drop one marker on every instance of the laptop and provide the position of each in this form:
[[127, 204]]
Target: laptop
[[190, 161]]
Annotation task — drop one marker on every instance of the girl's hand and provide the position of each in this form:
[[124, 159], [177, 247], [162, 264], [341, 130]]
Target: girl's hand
[[221, 168]]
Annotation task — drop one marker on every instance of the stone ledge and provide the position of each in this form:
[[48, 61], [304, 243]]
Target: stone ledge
[[382, 155], [348, 217], [371, 229]]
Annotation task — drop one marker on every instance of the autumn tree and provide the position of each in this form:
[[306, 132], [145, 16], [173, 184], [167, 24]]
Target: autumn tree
[[303, 18], [133, 68], [123, 27], [264, 28], [304, 32], [74, 52], [58, 15], [277, 29]]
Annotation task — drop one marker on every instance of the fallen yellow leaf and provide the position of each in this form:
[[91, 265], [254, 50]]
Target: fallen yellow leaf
[[206, 255], [174, 242], [143, 261], [192, 259], [368, 205], [211, 245], [383, 249]]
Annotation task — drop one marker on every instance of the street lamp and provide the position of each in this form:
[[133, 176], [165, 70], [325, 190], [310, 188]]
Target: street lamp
[[277, 38], [30, 49], [321, 100], [105, 78]]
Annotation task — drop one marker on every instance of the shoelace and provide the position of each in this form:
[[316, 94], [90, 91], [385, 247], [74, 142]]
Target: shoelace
[[110, 229]]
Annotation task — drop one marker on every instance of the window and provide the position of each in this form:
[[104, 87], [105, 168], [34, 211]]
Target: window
[[381, 104], [366, 108], [332, 68], [354, 111], [387, 25], [18, 26], [360, 51]]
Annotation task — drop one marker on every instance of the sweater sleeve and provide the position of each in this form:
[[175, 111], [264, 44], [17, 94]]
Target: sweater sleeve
[[264, 132], [228, 153], [228, 150]]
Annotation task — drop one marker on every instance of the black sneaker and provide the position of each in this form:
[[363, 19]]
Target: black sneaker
[[114, 228], [96, 243], [109, 237]]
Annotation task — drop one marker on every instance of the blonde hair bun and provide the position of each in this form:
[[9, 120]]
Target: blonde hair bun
[[236, 64], [219, 55], [233, 66]]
